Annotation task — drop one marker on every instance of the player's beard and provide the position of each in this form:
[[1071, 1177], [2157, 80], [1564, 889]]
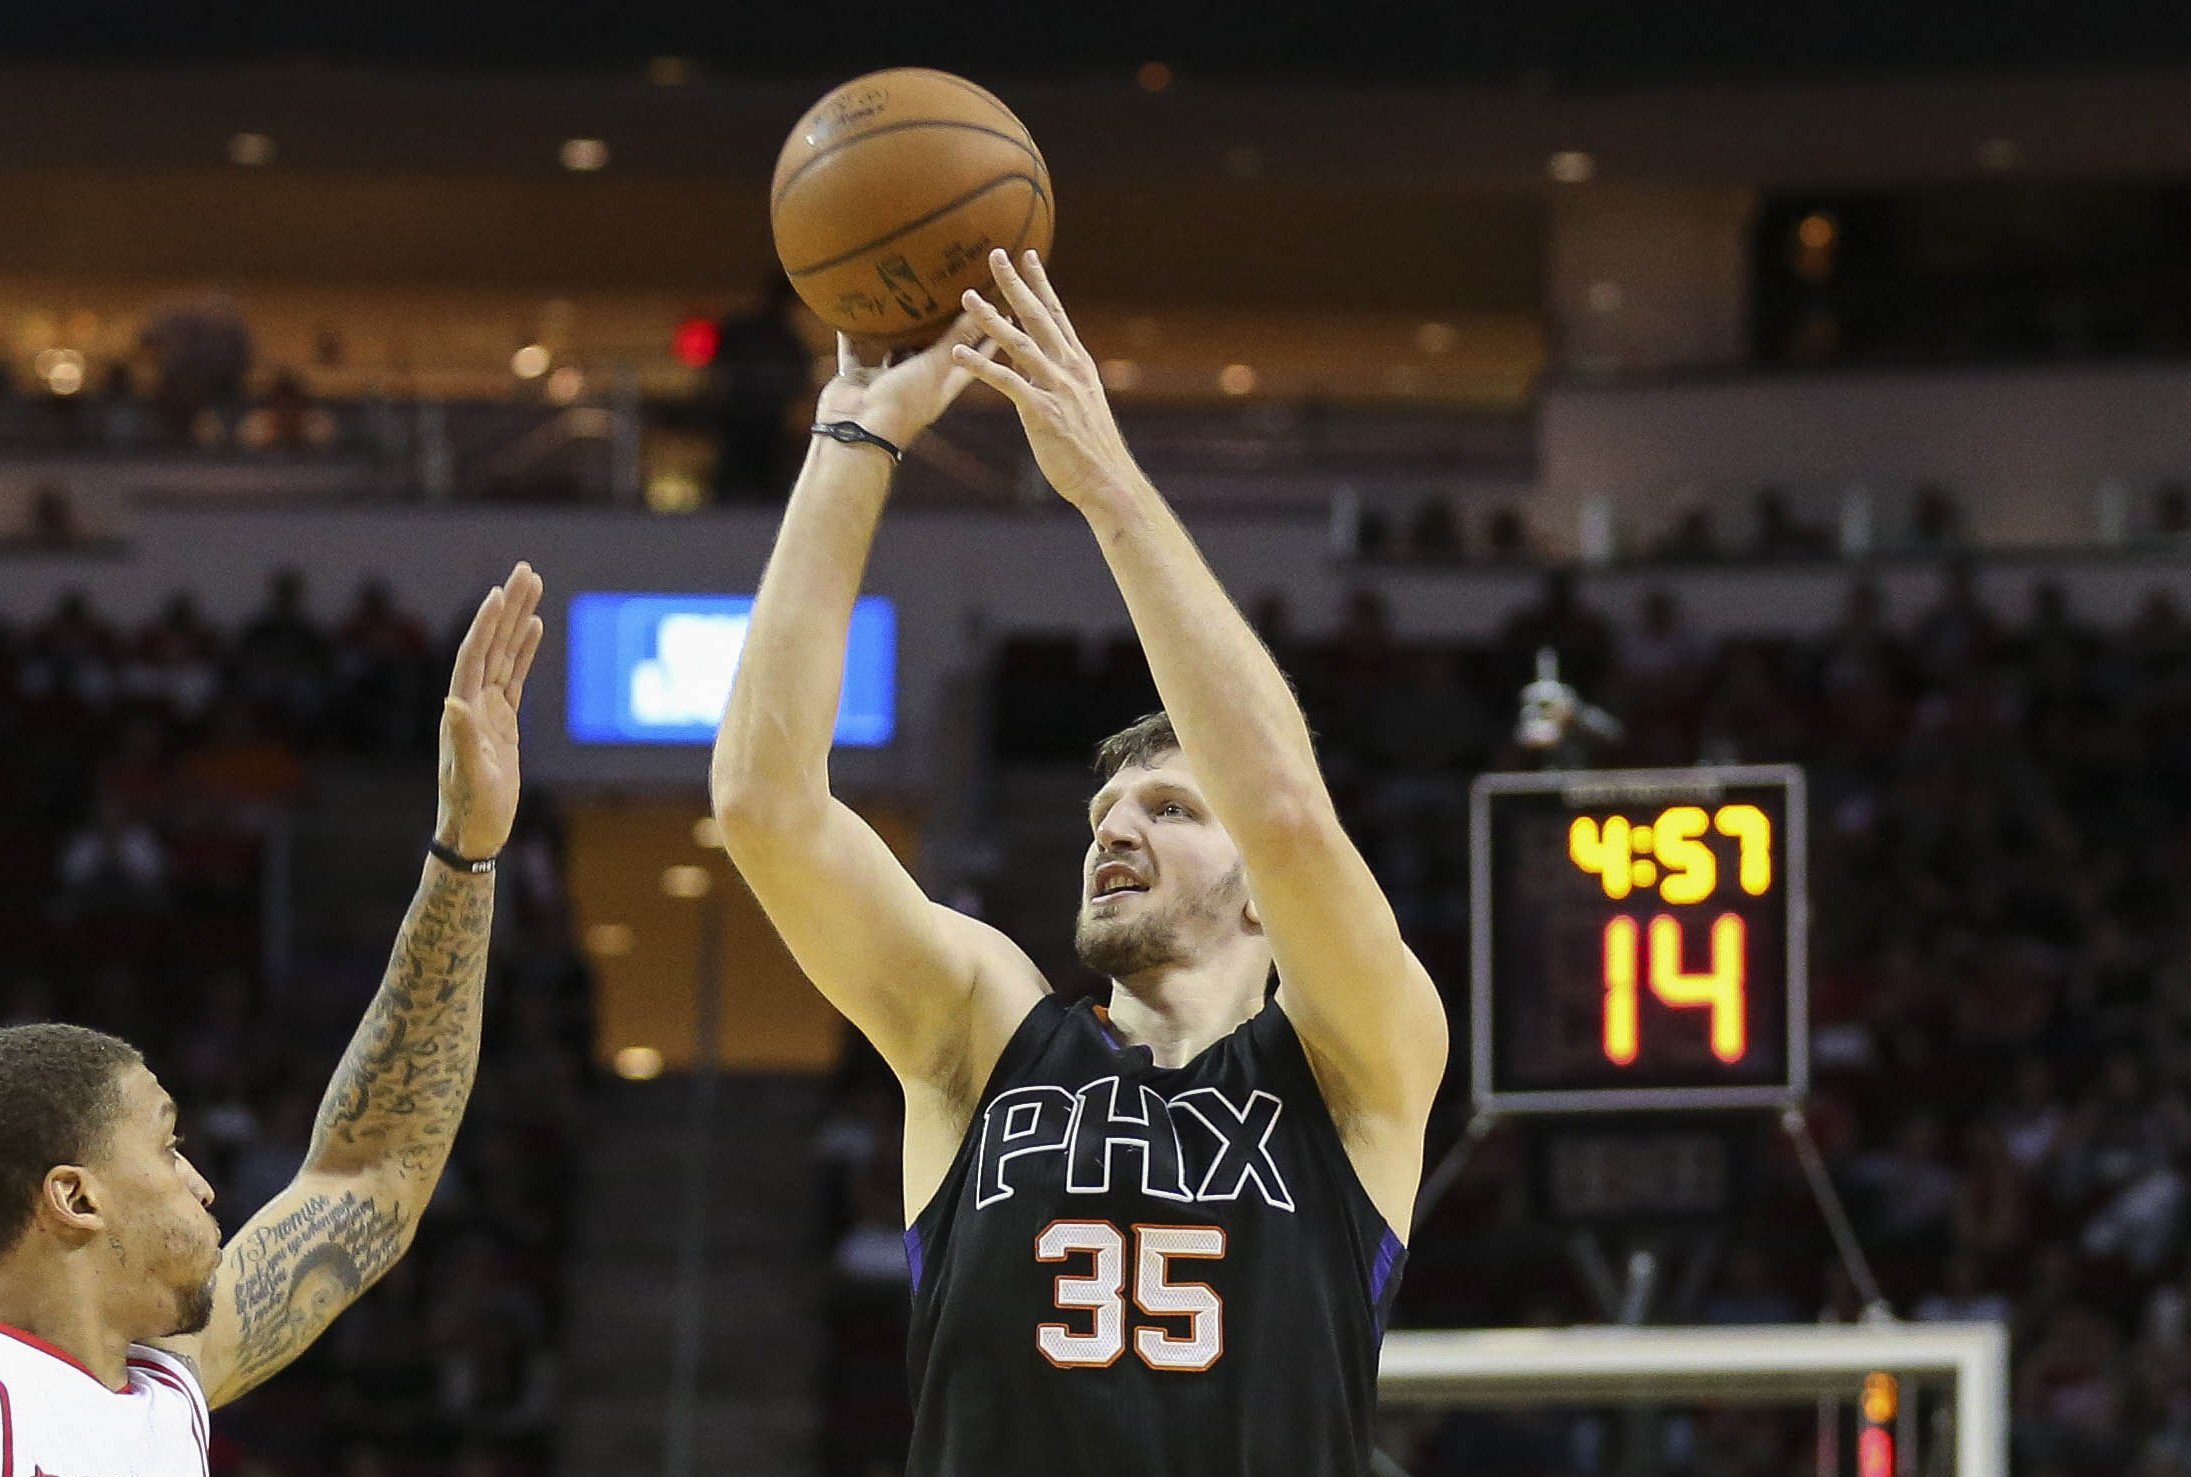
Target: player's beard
[[194, 1309], [195, 1251], [1152, 937]]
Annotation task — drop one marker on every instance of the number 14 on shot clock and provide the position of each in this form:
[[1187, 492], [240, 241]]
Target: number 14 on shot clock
[[1639, 939]]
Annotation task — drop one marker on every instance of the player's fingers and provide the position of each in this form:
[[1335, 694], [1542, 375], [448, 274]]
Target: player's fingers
[[1025, 352], [998, 377], [1029, 307], [471, 654], [533, 587], [517, 603], [528, 647], [965, 329], [522, 591], [955, 383], [1038, 277]]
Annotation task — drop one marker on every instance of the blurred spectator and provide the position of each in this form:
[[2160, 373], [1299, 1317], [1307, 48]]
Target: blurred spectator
[[202, 350], [1749, 1291], [1693, 539], [384, 672], [1779, 534], [281, 666], [1936, 522], [1962, 1297], [2172, 509], [176, 663], [1955, 639], [1372, 533], [1434, 533], [69, 659], [113, 867], [53, 521], [1559, 620], [1506, 537], [287, 421], [761, 373]]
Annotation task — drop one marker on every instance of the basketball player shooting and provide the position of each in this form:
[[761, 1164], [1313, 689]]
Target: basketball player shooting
[[1162, 1237], [123, 1320]]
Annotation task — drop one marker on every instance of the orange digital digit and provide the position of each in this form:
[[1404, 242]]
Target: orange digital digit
[[1720, 989], [1620, 991], [1753, 831], [1692, 872], [1604, 852]]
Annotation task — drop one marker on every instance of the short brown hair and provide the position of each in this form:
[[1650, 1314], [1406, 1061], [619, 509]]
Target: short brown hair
[[1139, 743], [60, 1094]]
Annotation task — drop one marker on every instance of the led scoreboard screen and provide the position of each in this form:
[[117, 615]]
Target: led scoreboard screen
[[1638, 939]]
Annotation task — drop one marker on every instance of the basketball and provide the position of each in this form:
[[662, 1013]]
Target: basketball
[[890, 194]]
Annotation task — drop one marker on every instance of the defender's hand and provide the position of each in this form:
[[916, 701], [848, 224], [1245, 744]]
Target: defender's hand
[[1052, 382], [479, 718], [899, 401]]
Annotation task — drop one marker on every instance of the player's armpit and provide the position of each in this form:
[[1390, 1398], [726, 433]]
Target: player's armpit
[[937, 993], [310, 1253]]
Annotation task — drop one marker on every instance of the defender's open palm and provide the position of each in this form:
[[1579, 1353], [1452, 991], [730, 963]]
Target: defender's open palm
[[1052, 381], [479, 781]]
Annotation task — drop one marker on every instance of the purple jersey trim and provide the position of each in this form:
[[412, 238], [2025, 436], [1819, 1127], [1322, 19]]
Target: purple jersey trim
[[913, 1255], [1380, 1275]]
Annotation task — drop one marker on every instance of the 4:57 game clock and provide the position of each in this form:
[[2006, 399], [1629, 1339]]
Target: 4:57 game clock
[[1638, 939]]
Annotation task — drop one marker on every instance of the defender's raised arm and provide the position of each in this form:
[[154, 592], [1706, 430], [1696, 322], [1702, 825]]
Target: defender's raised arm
[[390, 1115]]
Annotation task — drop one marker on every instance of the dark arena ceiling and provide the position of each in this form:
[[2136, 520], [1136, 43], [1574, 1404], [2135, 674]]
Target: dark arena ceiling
[[1564, 43]]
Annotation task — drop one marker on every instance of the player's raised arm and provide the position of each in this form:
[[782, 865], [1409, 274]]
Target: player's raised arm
[[902, 969], [390, 1115], [1366, 1011]]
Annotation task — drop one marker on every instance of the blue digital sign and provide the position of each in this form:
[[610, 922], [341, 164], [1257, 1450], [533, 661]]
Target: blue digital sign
[[656, 669]]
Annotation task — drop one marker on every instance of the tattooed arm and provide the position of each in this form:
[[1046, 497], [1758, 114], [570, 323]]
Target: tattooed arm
[[389, 1118]]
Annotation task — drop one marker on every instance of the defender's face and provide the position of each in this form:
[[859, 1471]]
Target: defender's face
[[158, 1210], [1162, 880]]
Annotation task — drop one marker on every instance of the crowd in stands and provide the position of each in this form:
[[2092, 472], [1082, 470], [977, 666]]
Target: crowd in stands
[[140, 771], [2001, 993]]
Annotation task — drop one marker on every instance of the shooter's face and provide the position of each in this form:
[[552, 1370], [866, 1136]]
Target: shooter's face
[[1162, 881], [161, 1233]]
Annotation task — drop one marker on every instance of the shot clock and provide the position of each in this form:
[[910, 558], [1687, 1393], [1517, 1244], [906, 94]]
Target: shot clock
[[1638, 939]]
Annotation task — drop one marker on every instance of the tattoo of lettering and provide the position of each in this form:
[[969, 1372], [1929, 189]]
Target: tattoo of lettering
[[293, 1276], [396, 1099]]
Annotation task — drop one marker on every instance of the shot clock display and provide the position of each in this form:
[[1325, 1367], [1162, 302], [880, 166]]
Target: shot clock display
[[1638, 939]]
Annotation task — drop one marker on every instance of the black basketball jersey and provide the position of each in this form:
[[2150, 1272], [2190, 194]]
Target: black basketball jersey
[[1162, 1272]]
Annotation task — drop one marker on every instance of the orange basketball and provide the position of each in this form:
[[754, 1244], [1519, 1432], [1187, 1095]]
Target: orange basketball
[[890, 194]]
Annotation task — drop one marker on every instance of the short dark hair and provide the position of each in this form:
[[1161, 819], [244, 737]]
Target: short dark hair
[[60, 1094], [1140, 742]]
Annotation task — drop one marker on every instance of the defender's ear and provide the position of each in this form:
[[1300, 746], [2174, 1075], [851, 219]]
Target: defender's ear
[[69, 1200], [1255, 919]]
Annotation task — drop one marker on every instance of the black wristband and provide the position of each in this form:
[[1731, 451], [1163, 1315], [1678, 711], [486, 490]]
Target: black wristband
[[448, 858], [852, 433]]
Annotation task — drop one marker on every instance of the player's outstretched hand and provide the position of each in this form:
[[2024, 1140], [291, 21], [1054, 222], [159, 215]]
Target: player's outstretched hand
[[479, 718], [1052, 382], [898, 401]]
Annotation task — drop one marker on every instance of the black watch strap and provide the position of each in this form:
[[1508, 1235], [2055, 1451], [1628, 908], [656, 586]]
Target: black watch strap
[[852, 433], [448, 857]]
